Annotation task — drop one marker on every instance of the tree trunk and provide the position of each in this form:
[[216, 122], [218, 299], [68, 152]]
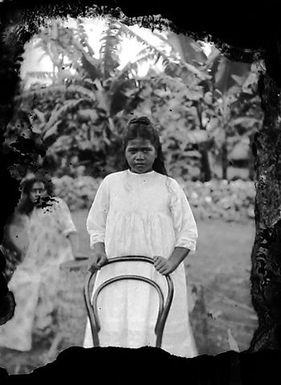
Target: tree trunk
[[266, 252], [224, 160], [251, 164], [205, 171]]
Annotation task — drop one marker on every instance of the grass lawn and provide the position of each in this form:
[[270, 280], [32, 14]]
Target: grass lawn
[[222, 266], [219, 268], [221, 245]]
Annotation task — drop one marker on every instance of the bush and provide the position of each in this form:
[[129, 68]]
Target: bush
[[78, 192], [231, 201]]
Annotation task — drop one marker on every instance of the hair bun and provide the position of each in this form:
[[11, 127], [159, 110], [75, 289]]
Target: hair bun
[[140, 120]]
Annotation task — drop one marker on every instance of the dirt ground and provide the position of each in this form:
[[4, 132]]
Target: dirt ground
[[220, 269]]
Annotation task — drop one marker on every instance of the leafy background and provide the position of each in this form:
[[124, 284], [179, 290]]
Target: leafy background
[[206, 107]]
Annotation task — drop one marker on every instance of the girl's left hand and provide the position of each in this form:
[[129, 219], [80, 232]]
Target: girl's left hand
[[163, 265]]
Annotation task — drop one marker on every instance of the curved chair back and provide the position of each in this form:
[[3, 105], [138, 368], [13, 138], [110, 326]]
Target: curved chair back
[[164, 304]]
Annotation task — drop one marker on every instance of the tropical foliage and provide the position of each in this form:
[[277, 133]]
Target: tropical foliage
[[78, 114], [204, 106], [229, 107]]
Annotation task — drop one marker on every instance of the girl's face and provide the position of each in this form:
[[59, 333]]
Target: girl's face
[[37, 192], [140, 155]]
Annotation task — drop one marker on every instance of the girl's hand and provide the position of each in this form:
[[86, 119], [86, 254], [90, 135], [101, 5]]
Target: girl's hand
[[163, 265], [96, 261]]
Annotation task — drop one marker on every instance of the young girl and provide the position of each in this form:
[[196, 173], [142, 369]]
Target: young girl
[[43, 230], [141, 211]]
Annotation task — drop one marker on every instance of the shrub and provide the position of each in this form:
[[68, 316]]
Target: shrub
[[78, 192], [231, 201]]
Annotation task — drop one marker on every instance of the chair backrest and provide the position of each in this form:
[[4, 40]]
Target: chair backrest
[[164, 305]]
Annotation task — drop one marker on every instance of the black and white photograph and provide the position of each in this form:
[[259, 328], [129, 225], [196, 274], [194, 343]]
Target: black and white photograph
[[145, 165]]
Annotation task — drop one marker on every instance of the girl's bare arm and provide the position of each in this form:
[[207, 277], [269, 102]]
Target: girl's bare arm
[[98, 258], [167, 266]]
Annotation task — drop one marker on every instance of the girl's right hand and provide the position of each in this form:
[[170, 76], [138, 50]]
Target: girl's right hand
[[96, 261]]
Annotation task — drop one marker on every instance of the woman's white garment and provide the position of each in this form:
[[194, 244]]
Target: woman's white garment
[[42, 237], [141, 214]]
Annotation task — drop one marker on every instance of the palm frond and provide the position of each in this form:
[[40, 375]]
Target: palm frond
[[128, 68], [131, 66], [52, 130], [161, 37], [91, 66], [79, 46], [40, 92], [148, 46], [59, 42], [159, 54], [82, 91], [89, 82], [124, 30], [109, 48], [148, 57], [52, 124], [200, 74], [39, 114], [83, 36], [40, 75], [67, 76]]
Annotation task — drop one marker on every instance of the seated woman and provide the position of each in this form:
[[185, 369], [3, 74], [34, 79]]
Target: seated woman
[[43, 232]]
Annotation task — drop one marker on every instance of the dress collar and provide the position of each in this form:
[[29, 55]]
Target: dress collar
[[142, 174]]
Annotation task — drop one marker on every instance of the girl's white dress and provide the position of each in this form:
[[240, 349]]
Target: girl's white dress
[[141, 214]]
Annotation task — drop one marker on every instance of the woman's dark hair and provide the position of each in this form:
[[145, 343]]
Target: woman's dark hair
[[142, 127], [26, 205]]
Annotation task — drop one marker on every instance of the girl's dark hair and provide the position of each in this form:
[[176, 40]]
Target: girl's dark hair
[[26, 205], [142, 127]]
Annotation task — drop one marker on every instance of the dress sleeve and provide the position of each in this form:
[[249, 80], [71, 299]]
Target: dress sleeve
[[64, 217], [184, 222], [96, 220]]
